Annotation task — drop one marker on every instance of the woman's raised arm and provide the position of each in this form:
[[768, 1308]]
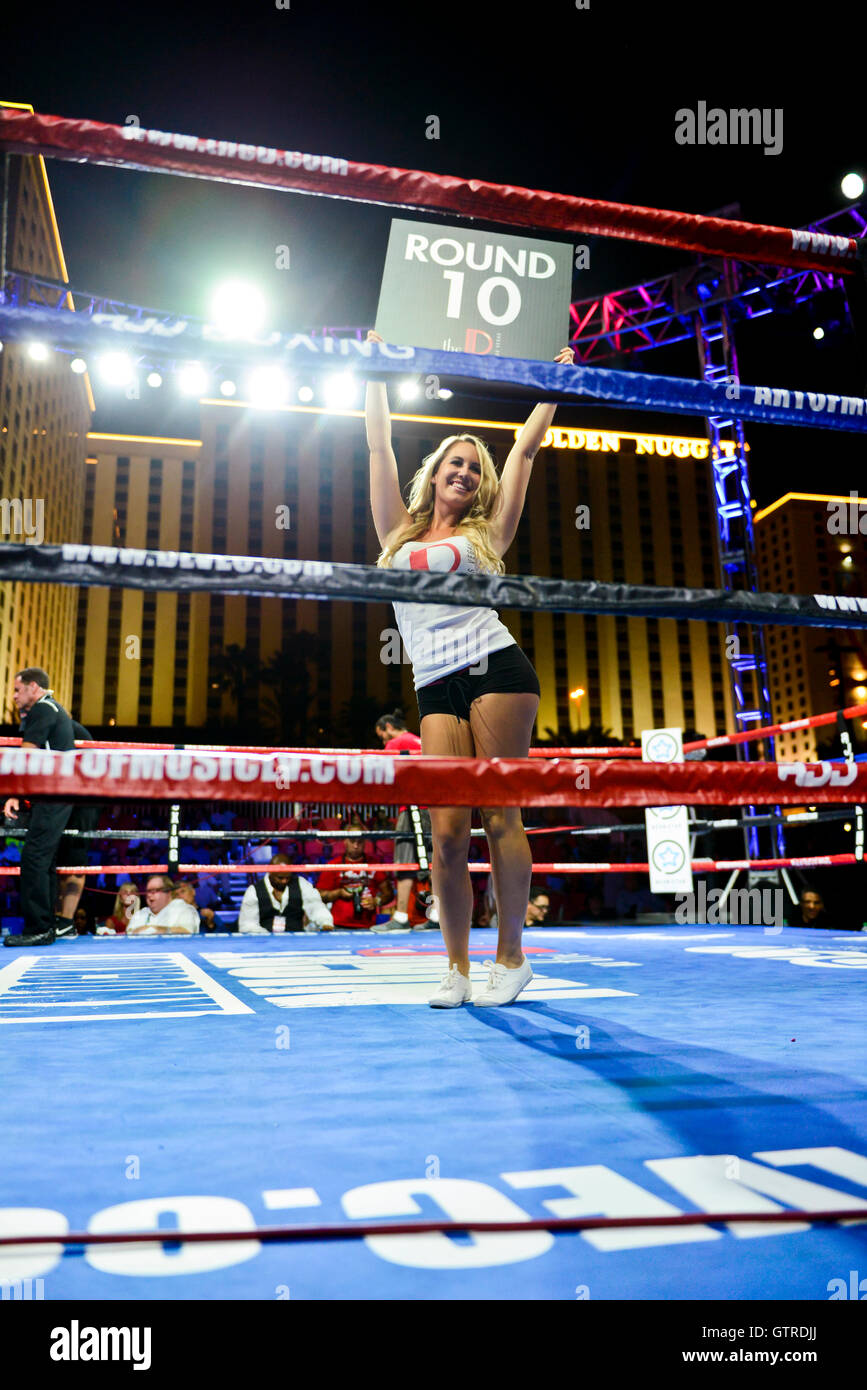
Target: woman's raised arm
[[515, 476], [386, 503]]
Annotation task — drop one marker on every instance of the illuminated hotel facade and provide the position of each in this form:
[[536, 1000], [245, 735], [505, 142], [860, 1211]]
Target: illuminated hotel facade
[[45, 414], [810, 543], [293, 483]]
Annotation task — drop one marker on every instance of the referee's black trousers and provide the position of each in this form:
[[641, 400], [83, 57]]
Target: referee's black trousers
[[38, 885]]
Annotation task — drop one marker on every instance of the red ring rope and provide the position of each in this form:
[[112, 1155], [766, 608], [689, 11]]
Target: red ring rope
[[362, 1230], [130, 147]]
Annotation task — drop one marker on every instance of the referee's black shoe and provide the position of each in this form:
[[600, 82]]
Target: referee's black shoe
[[45, 938]]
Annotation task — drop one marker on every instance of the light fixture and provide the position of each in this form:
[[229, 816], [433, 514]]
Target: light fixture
[[341, 391], [305, 393], [818, 334], [445, 394], [37, 352], [268, 387], [78, 365], [115, 368], [861, 692], [154, 379], [847, 827], [238, 309], [848, 561], [408, 390], [193, 379], [577, 693], [852, 186], [227, 388]]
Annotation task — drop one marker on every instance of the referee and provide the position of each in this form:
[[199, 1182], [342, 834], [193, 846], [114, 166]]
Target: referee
[[46, 724]]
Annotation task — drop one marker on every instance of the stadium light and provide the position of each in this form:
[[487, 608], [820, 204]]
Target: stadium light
[[193, 379], [116, 368], [238, 309], [341, 391], [268, 387]]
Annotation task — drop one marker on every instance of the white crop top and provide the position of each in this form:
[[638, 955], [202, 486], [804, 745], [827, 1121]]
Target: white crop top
[[438, 638]]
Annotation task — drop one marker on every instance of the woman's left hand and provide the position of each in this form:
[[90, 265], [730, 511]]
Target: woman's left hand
[[566, 356]]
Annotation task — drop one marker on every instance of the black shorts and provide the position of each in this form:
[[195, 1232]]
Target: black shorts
[[509, 673]]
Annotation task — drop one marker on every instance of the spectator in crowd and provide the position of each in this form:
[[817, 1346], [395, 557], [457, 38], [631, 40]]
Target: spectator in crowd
[[82, 921], [595, 909], [810, 911], [187, 893], [209, 894], [277, 902], [164, 914], [395, 738], [126, 904], [354, 895], [537, 908], [634, 896]]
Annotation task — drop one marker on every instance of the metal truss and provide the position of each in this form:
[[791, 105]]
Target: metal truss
[[661, 312], [745, 643]]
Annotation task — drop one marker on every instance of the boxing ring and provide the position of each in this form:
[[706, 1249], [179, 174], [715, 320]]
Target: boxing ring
[[286, 1118]]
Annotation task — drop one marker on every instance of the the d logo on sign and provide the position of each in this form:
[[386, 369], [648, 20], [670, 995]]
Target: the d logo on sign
[[463, 290]]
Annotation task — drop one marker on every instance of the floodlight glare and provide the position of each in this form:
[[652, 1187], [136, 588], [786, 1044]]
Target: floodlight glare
[[78, 365], [238, 309], [268, 387], [852, 186], [408, 390], [193, 379], [38, 352], [115, 369], [341, 391], [227, 388], [305, 393], [154, 379]]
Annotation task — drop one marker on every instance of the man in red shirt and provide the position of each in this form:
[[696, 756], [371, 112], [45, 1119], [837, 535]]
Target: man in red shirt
[[392, 730], [354, 895]]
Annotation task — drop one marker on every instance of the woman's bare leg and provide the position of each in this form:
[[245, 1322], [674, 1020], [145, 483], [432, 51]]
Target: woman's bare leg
[[502, 726], [443, 735]]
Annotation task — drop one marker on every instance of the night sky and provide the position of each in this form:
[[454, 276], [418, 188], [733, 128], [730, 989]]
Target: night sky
[[545, 96]]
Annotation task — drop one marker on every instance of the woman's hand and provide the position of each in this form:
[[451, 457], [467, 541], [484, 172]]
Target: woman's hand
[[566, 357], [373, 336]]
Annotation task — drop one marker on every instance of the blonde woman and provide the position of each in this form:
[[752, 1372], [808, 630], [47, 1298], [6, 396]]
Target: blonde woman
[[125, 904], [477, 692]]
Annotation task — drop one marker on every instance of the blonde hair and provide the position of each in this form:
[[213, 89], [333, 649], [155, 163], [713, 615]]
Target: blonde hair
[[119, 910], [475, 522]]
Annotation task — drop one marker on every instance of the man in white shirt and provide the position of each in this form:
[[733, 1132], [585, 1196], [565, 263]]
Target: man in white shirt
[[164, 915], [277, 902]]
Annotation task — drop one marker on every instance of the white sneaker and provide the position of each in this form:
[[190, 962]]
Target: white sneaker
[[454, 990], [504, 984]]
